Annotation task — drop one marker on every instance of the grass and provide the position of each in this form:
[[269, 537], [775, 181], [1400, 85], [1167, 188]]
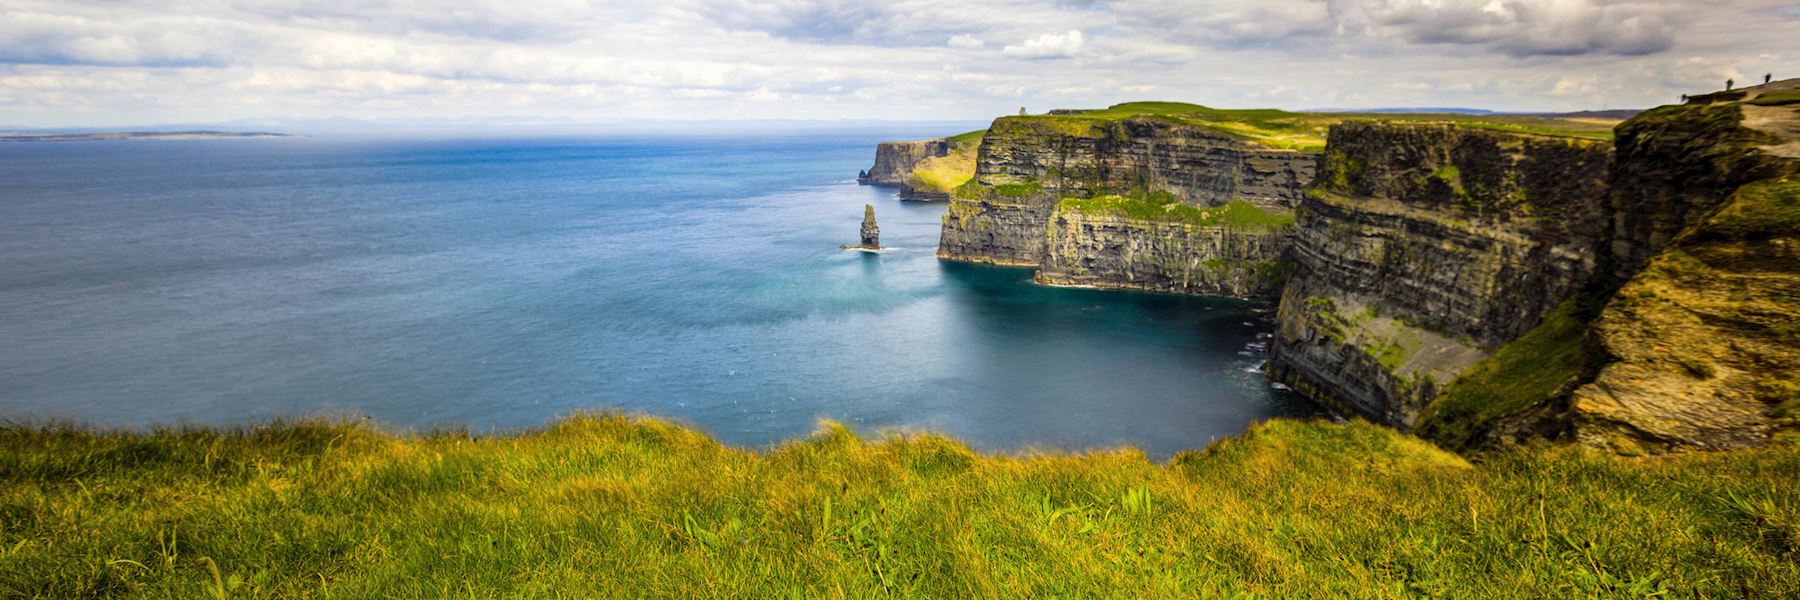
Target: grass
[[945, 173], [1516, 378], [1162, 206], [1300, 131], [1767, 207], [1269, 127], [1595, 129], [1777, 98], [609, 506]]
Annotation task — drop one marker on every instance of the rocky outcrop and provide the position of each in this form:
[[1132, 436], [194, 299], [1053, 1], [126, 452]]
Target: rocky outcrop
[[1000, 233], [1423, 247], [895, 161], [871, 234], [1700, 347], [1028, 165], [1095, 248]]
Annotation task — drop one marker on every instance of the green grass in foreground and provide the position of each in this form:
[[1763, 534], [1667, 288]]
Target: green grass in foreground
[[610, 506], [1162, 206]]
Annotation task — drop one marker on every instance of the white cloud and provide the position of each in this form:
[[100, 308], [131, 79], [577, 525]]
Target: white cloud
[[1519, 27], [966, 41], [1049, 45], [93, 62]]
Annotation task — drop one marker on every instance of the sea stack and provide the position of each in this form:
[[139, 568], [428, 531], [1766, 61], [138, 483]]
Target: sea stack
[[871, 235]]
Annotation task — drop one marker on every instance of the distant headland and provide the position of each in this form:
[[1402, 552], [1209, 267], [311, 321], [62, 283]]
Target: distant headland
[[137, 135]]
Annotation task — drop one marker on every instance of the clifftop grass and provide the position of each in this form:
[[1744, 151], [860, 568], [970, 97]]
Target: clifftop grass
[[1595, 129], [1301, 131], [1269, 127], [610, 506], [1164, 207]]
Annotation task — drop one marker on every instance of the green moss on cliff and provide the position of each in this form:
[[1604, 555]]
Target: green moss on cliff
[[1342, 172], [1517, 378], [1162, 206], [1018, 190], [1765, 207]]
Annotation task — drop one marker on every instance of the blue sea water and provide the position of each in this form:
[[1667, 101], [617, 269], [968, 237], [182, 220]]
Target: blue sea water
[[495, 284]]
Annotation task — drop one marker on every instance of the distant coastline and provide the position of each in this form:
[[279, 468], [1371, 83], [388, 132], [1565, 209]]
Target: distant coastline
[[137, 135]]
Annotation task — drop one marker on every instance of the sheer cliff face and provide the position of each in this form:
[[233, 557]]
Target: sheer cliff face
[[1109, 250], [895, 161], [1700, 348], [1027, 165], [1423, 247]]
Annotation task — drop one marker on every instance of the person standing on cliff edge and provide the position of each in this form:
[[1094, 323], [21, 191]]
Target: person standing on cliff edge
[[1728, 84]]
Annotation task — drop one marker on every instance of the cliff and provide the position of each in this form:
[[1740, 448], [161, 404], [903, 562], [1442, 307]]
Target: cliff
[[1700, 348], [1688, 339], [1014, 210], [924, 170], [895, 161], [1421, 248], [1183, 251]]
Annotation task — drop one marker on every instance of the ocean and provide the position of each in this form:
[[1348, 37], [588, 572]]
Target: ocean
[[494, 284]]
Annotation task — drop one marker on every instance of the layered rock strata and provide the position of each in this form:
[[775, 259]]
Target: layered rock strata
[[895, 161], [1096, 248], [1028, 165], [1423, 247], [870, 233]]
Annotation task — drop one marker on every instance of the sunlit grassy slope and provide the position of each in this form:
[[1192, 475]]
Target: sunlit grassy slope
[[1306, 131], [610, 506], [944, 173]]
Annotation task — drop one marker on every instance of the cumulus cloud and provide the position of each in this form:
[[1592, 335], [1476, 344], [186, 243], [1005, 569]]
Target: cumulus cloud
[[966, 41], [1518, 27], [1232, 23], [89, 61], [1049, 45], [50, 38]]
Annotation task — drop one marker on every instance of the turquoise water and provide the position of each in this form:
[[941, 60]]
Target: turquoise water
[[495, 284]]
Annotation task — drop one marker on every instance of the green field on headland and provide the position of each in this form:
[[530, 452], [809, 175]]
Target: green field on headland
[[1304, 131], [613, 506]]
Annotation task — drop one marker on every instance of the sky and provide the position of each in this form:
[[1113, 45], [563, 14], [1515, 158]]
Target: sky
[[98, 63]]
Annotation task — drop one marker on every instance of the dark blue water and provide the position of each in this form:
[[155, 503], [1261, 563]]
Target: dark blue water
[[497, 284]]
